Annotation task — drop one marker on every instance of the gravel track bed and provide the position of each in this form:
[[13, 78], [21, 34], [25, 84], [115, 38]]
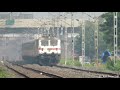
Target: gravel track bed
[[99, 72], [15, 75], [66, 73], [29, 73]]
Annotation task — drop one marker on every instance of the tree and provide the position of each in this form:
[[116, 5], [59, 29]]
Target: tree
[[89, 41], [108, 29], [10, 22]]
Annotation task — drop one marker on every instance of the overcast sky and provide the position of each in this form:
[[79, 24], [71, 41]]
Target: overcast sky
[[77, 15]]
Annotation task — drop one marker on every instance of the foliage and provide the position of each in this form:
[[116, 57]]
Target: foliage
[[10, 22], [89, 41], [114, 67], [109, 66], [77, 63], [108, 29], [4, 74], [70, 62], [89, 65]]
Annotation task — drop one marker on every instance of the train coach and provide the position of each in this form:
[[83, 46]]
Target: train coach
[[45, 50]]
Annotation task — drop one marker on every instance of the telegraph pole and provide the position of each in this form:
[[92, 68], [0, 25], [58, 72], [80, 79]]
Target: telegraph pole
[[62, 38], [53, 27], [96, 39], [95, 36], [66, 36], [115, 37], [58, 25], [41, 30], [38, 32], [83, 41], [72, 25], [10, 15], [49, 30]]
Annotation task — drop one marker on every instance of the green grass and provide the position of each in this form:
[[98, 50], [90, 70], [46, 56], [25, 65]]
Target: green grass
[[114, 67], [109, 66], [70, 62], [89, 65], [4, 73]]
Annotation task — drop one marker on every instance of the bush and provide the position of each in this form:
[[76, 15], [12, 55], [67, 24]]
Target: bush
[[117, 65], [71, 62], [77, 63], [89, 65], [62, 61], [110, 65], [3, 73]]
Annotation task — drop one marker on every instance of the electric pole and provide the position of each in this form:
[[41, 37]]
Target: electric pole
[[53, 27], [58, 25], [115, 37], [66, 36], [72, 25], [10, 15], [96, 39], [83, 41]]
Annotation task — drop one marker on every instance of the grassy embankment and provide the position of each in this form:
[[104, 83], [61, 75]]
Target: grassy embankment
[[4, 73], [109, 66]]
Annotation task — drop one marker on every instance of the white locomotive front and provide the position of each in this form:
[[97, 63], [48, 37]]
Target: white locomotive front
[[45, 50], [49, 46]]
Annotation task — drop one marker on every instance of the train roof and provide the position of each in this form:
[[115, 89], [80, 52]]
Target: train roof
[[47, 37], [42, 38]]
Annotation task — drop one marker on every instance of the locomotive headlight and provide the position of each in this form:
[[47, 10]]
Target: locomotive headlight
[[48, 49], [41, 49]]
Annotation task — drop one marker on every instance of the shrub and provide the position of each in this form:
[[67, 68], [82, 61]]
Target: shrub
[[110, 65], [77, 63], [3, 74], [71, 62], [117, 66]]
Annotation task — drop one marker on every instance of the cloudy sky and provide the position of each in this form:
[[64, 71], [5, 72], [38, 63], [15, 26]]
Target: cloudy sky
[[77, 15]]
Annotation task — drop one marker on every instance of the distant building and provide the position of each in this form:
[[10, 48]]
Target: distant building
[[24, 16], [4, 15], [16, 15]]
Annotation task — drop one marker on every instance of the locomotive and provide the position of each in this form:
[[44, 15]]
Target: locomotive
[[44, 50]]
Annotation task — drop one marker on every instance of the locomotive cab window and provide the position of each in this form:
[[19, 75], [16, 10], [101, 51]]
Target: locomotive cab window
[[53, 42], [44, 42]]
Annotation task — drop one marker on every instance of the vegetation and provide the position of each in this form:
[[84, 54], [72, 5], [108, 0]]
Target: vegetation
[[108, 34], [70, 62], [108, 30], [106, 41], [10, 22], [114, 67], [89, 41], [4, 73]]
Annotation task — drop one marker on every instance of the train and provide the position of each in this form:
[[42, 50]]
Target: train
[[44, 50]]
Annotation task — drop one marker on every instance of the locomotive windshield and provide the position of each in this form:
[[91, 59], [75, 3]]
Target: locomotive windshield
[[53, 42], [44, 42]]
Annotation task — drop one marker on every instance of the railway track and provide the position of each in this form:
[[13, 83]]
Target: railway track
[[23, 75], [100, 74], [64, 72], [28, 71]]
